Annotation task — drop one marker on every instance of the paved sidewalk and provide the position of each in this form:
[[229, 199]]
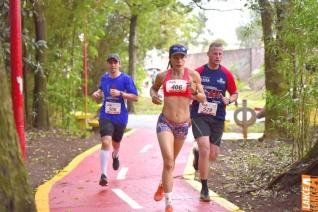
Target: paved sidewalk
[[239, 136], [131, 187]]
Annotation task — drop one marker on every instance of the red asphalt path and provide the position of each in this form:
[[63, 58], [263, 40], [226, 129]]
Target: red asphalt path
[[79, 191]]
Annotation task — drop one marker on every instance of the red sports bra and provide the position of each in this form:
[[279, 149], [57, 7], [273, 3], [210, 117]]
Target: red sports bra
[[176, 87]]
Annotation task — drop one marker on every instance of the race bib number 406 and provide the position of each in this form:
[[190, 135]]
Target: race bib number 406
[[112, 108], [176, 85], [208, 108]]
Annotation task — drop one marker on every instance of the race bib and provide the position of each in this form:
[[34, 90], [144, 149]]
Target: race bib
[[176, 86], [208, 108], [112, 108]]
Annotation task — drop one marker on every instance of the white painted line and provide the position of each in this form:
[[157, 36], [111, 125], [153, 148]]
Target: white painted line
[[122, 173], [146, 148], [122, 195]]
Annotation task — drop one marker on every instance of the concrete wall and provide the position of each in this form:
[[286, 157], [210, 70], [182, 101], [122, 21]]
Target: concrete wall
[[241, 62]]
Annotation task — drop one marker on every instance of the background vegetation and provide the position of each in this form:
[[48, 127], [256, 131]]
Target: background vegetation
[[53, 52], [52, 59]]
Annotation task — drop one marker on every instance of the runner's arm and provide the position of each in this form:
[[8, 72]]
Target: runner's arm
[[197, 88], [155, 97], [129, 96], [97, 95], [125, 95]]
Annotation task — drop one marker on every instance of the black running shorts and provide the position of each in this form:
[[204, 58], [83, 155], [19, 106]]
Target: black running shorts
[[108, 128], [208, 126]]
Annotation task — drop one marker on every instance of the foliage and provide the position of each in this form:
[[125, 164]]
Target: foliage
[[105, 25], [4, 30], [299, 64], [258, 74], [290, 35], [250, 34], [255, 168], [145, 106], [141, 75], [166, 23]]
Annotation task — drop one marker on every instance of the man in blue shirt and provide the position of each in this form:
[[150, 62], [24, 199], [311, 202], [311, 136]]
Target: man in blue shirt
[[116, 87]]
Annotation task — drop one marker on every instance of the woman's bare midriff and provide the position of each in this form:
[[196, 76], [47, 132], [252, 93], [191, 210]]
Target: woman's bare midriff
[[176, 109]]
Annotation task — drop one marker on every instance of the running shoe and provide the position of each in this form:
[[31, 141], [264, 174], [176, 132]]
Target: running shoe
[[204, 195], [115, 162], [159, 193], [195, 159], [103, 180], [169, 208]]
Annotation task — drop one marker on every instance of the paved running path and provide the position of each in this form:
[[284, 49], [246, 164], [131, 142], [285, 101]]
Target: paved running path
[[131, 187]]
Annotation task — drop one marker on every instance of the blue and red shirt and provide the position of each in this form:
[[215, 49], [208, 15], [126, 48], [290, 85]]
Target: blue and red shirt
[[122, 83], [215, 83]]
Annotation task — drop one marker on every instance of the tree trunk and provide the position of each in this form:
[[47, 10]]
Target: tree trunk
[[27, 81], [132, 55], [40, 104], [99, 65], [308, 165], [15, 192], [274, 79], [25, 69]]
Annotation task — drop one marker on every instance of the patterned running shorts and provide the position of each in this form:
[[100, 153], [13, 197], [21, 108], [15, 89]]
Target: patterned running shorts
[[179, 130]]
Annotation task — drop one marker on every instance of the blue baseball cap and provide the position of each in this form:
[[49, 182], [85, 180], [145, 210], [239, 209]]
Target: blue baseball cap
[[177, 49]]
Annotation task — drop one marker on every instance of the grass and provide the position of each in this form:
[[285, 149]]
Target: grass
[[145, 106], [254, 99], [255, 128]]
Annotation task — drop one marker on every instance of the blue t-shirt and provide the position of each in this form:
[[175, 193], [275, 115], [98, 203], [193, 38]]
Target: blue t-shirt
[[114, 107], [215, 83]]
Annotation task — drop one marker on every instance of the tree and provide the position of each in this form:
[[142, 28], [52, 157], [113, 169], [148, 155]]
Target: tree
[[250, 35], [276, 86], [4, 31], [64, 66], [40, 100], [15, 192], [292, 177], [292, 38], [53, 55], [146, 24], [137, 7]]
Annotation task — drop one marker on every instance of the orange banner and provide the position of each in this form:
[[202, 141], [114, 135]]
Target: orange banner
[[309, 193]]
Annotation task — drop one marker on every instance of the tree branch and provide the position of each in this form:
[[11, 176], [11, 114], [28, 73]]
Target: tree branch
[[214, 9]]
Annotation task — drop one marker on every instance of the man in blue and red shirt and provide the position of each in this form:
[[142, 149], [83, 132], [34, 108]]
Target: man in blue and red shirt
[[208, 117]]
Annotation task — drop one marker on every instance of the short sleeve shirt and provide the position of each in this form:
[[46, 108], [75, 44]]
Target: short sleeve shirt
[[215, 83], [114, 108]]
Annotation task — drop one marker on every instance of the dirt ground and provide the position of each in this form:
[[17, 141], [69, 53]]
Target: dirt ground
[[49, 152], [243, 170], [240, 173]]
